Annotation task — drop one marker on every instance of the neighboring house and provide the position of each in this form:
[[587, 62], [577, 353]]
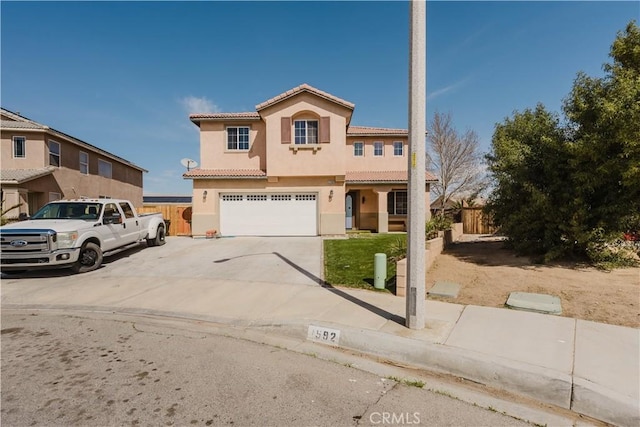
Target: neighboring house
[[296, 166], [40, 164]]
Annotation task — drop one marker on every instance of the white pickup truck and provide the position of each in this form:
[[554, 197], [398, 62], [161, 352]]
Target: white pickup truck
[[76, 234]]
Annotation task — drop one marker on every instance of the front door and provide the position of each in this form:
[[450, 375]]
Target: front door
[[348, 204]]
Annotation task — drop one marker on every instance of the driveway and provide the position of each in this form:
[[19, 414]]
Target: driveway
[[282, 260]]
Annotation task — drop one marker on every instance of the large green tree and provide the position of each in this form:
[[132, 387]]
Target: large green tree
[[561, 188]]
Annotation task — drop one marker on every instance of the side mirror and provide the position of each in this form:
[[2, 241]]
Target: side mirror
[[23, 216]]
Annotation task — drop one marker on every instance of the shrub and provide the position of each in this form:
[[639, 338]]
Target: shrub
[[435, 224]]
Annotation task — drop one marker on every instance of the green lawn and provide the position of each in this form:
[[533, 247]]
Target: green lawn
[[349, 262]]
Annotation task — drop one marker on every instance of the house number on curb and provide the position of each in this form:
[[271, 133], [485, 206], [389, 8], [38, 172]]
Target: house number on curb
[[325, 335]]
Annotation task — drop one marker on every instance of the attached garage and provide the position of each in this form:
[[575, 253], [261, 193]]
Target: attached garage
[[268, 214]]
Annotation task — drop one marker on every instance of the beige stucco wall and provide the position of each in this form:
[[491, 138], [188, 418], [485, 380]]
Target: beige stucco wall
[[369, 162], [326, 159], [126, 182], [213, 146], [206, 210], [37, 155]]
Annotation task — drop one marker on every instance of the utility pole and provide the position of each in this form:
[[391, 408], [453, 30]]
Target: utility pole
[[415, 297]]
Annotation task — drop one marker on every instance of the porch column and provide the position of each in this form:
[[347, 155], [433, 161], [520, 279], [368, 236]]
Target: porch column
[[383, 214]]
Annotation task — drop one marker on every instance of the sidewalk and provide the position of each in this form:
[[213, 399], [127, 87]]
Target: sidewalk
[[587, 367]]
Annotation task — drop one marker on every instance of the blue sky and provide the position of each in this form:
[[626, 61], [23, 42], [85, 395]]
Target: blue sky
[[124, 76]]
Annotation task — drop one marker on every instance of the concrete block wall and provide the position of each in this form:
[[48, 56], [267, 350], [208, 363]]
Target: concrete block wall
[[433, 248]]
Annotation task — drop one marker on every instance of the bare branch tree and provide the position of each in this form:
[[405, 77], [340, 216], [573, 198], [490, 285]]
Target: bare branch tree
[[454, 158]]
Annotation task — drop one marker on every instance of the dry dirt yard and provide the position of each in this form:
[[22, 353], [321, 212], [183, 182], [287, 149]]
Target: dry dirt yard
[[487, 273]]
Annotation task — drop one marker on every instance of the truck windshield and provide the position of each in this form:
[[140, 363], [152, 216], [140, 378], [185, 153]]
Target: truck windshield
[[70, 210]]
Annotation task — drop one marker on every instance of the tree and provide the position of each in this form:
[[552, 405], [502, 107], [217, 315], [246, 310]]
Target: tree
[[527, 164], [567, 189], [454, 158], [604, 118]]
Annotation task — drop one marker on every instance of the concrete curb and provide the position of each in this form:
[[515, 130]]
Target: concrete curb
[[541, 384]]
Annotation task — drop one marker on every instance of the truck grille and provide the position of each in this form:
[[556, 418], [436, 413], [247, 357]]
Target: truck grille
[[25, 241]]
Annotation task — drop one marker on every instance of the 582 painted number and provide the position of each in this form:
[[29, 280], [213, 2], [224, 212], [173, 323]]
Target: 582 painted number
[[325, 335]]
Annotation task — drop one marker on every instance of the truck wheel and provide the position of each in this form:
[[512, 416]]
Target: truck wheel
[[89, 260], [159, 239]]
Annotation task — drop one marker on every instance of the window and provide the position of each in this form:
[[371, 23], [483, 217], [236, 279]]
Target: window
[[126, 208], [19, 146], [54, 196], [54, 153], [104, 168], [378, 148], [358, 149], [84, 163], [306, 131], [397, 203], [398, 148], [238, 138]]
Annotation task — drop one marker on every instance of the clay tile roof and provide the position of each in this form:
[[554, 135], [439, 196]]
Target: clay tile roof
[[224, 174], [383, 177], [198, 117], [14, 124], [372, 131], [304, 88], [18, 176]]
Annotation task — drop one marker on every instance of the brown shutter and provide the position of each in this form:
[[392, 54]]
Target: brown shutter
[[285, 130], [325, 129]]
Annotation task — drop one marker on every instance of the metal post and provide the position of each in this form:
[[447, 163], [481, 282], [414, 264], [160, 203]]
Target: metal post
[[415, 298]]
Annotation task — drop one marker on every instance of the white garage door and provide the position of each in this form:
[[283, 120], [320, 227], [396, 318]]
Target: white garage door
[[260, 214]]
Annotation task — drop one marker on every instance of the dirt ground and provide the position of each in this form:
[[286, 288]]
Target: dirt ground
[[487, 273]]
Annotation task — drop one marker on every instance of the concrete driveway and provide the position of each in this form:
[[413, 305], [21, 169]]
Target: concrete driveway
[[283, 260]]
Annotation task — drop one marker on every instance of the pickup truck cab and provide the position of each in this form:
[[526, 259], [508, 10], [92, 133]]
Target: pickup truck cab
[[76, 234]]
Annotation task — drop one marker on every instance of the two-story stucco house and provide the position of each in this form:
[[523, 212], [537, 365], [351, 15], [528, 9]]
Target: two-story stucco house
[[296, 166], [41, 164]]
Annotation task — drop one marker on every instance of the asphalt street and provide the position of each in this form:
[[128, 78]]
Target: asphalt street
[[104, 369]]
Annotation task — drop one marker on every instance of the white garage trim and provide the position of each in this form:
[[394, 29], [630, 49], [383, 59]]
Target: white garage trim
[[268, 214]]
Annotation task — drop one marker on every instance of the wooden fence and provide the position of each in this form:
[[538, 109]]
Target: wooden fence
[[474, 221], [177, 216]]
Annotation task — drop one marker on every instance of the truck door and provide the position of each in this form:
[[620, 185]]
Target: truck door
[[130, 231]]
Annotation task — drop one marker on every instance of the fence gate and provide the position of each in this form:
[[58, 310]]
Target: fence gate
[[178, 217], [474, 221]]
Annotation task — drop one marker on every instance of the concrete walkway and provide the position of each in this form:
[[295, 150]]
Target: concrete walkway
[[588, 367]]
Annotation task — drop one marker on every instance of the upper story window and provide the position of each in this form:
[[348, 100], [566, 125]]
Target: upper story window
[[54, 153], [398, 148], [104, 168], [84, 163], [238, 138], [397, 202], [306, 131], [358, 149], [19, 146], [378, 148]]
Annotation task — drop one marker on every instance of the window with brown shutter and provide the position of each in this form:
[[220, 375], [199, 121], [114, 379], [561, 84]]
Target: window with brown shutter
[[325, 130], [285, 130]]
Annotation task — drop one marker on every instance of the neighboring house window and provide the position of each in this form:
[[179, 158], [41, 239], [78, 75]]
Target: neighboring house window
[[398, 148], [54, 153], [358, 149], [378, 148], [54, 196], [84, 163], [306, 131], [397, 203], [104, 168], [19, 146], [238, 138]]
